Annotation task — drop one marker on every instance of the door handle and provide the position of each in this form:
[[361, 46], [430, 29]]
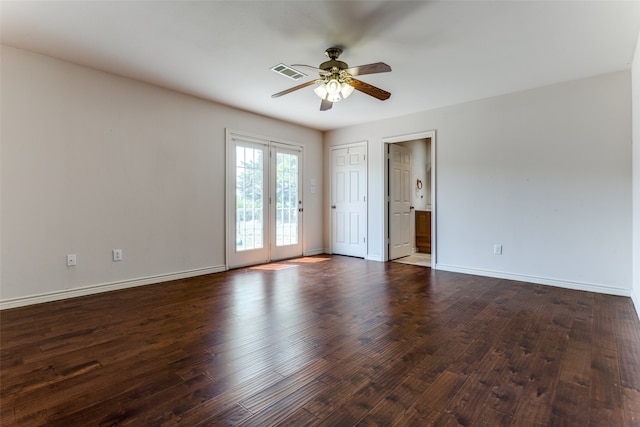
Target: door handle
[[333, 206]]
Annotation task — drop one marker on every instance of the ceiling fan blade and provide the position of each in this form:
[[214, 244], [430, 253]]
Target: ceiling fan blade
[[316, 69], [378, 67], [325, 105], [303, 85], [376, 92]]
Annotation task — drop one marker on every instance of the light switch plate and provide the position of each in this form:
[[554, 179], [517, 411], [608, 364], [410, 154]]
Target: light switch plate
[[71, 260]]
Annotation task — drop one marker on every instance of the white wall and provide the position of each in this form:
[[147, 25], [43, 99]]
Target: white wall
[[545, 172], [92, 162], [420, 169], [635, 82]]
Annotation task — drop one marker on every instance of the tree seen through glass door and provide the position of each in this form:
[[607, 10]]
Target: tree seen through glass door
[[249, 197], [286, 199]]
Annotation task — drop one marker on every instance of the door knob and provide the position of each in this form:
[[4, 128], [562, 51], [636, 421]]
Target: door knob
[[333, 206]]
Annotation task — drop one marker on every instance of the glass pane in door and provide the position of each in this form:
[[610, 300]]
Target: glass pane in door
[[286, 199], [249, 197]]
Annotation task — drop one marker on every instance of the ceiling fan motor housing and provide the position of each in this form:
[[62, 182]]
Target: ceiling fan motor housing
[[329, 65], [333, 53]]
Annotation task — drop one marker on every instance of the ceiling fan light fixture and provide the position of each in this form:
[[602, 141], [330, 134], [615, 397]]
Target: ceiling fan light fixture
[[333, 90], [346, 90], [333, 86], [321, 91], [329, 90]]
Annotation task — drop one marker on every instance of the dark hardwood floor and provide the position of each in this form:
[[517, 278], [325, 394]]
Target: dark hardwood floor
[[328, 340]]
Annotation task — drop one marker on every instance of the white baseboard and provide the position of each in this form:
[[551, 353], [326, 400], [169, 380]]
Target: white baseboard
[[578, 286], [370, 257], [105, 287], [315, 252]]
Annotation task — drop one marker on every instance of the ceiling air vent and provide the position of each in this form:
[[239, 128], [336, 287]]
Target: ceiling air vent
[[287, 71]]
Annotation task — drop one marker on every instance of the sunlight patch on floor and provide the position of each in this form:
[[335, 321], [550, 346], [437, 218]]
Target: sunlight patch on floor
[[273, 266], [309, 259]]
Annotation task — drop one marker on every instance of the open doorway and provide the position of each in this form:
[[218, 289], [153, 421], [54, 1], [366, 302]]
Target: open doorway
[[410, 218]]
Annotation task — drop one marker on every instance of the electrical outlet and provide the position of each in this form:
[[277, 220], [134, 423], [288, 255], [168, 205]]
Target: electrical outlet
[[117, 255], [71, 260], [497, 249]]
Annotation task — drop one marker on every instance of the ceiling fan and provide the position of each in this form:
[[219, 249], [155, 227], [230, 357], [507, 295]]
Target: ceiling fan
[[337, 82]]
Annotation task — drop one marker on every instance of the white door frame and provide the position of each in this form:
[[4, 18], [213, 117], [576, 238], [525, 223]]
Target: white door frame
[[383, 207], [366, 180]]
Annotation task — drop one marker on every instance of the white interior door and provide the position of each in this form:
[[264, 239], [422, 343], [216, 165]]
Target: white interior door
[[264, 203], [400, 237], [349, 200]]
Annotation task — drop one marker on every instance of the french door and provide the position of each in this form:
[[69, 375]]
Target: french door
[[264, 203]]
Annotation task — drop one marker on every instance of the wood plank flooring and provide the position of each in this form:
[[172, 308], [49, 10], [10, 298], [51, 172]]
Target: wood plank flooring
[[327, 340]]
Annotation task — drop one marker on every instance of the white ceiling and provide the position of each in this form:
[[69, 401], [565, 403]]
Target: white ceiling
[[441, 53]]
